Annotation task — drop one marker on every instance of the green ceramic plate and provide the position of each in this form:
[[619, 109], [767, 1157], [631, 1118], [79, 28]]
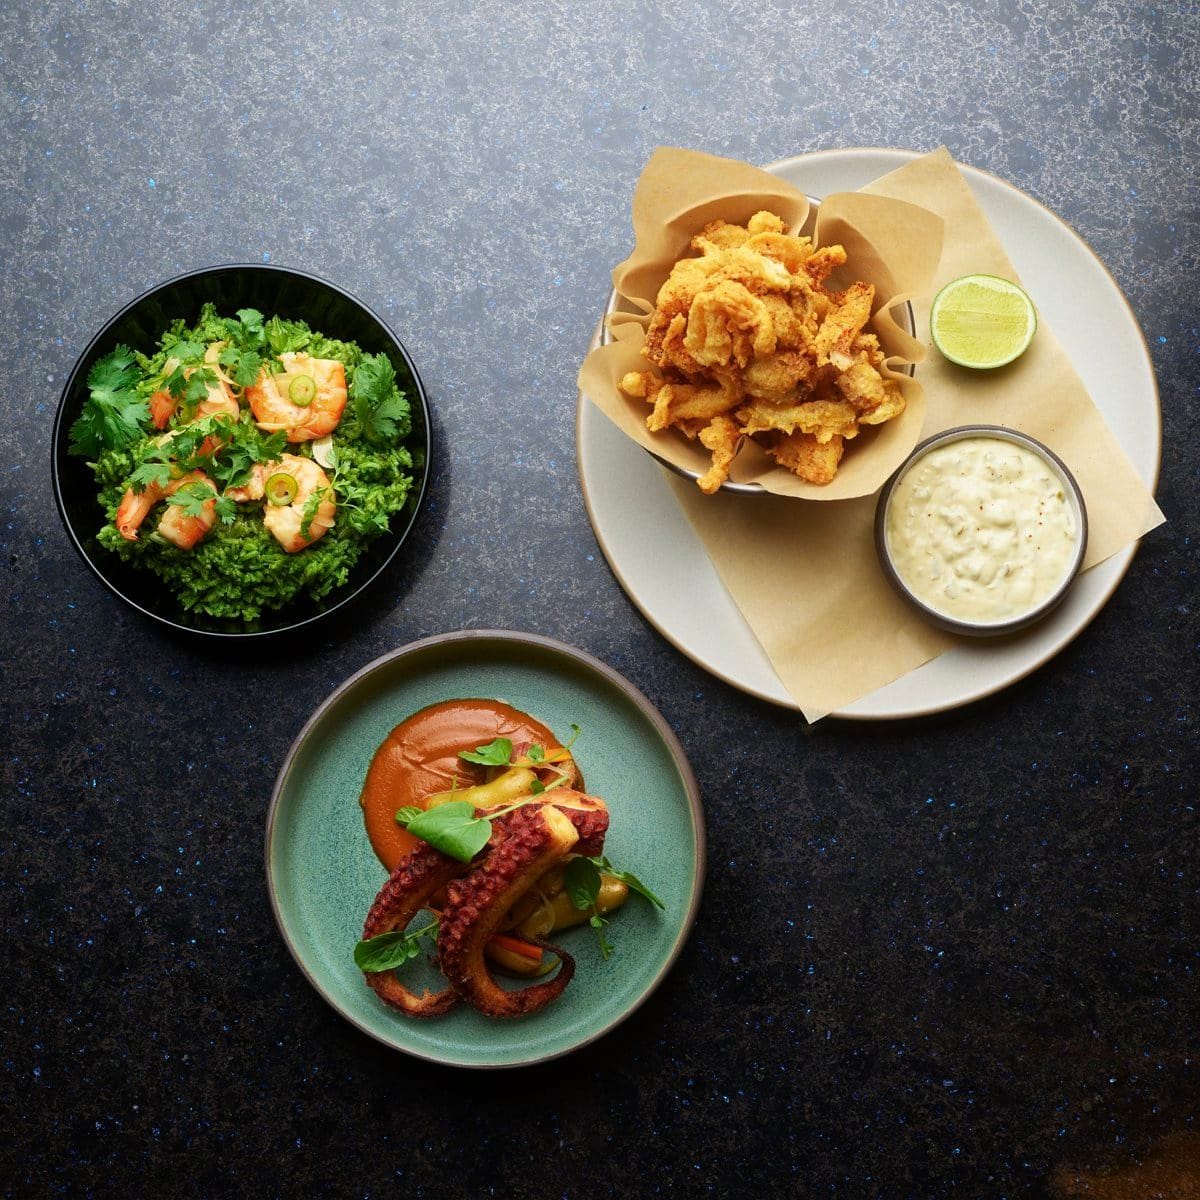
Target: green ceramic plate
[[322, 874]]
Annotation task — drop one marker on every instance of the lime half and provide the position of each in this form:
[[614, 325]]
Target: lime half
[[982, 321]]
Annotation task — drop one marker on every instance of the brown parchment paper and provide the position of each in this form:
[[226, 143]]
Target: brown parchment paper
[[891, 243], [806, 576]]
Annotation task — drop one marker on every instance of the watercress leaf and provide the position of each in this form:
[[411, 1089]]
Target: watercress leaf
[[387, 951], [496, 753], [452, 828], [408, 813], [536, 753], [537, 787], [581, 879], [630, 880]]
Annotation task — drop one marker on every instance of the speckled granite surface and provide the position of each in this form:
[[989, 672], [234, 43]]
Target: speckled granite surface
[[951, 959]]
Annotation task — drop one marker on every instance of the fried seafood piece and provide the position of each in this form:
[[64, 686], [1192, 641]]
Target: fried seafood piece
[[823, 419], [532, 840], [849, 312], [721, 436], [418, 877], [777, 376], [727, 323], [676, 402], [821, 263], [803, 455], [748, 341]]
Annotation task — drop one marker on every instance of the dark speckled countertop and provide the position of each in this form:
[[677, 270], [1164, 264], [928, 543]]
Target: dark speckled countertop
[[955, 958]]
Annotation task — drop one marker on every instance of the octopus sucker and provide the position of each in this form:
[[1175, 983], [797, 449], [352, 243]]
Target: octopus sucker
[[530, 842], [418, 877]]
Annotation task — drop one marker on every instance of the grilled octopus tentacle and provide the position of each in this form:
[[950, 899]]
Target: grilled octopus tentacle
[[589, 815], [533, 839], [417, 877]]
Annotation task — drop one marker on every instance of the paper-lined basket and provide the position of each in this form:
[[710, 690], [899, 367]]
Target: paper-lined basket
[[891, 244]]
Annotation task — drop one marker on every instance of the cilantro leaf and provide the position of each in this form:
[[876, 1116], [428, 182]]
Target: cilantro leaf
[[380, 406], [192, 498], [284, 336], [185, 351], [150, 474], [226, 510], [113, 416], [311, 506], [387, 951], [496, 753], [247, 369]]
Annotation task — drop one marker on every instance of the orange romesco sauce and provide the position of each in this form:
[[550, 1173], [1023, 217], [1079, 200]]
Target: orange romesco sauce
[[420, 756]]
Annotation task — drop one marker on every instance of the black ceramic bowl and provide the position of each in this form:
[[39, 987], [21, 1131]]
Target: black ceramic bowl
[[293, 294]]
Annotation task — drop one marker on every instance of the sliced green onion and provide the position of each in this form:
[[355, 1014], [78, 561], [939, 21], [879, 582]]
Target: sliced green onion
[[302, 390], [281, 488]]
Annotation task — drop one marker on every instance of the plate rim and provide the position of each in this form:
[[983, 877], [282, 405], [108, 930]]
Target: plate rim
[[592, 663], [1120, 561]]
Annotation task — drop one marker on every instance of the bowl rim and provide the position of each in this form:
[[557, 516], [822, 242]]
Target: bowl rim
[[58, 432], [981, 629]]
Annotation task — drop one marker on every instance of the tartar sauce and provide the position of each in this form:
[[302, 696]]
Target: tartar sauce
[[981, 530]]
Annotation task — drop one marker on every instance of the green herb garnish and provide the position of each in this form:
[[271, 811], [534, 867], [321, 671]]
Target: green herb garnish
[[387, 951], [582, 882], [380, 406], [113, 415], [192, 498], [497, 753]]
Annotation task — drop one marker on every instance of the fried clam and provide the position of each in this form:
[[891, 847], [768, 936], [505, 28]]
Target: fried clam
[[530, 842], [745, 340]]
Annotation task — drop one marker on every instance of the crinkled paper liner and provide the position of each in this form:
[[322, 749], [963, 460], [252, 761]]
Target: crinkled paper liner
[[891, 244]]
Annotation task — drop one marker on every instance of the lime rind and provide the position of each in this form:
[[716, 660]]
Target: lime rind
[[954, 338]]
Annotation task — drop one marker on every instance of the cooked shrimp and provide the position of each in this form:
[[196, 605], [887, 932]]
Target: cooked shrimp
[[288, 485], [175, 525], [218, 400], [306, 399]]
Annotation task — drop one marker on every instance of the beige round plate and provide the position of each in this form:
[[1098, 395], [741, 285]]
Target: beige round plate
[[662, 565]]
